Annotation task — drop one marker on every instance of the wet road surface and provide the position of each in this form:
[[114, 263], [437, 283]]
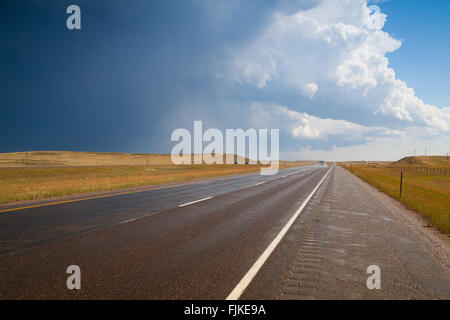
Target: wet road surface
[[145, 245], [197, 241]]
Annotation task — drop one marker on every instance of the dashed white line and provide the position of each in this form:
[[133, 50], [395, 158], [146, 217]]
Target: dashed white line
[[192, 202], [127, 221], [245, 281], [259, 183]]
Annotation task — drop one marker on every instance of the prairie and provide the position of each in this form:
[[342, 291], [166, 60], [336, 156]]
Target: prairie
[[48, 174]]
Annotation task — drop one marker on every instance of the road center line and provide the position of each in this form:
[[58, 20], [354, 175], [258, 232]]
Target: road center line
[[259, 183], [245, 281], [127, 221], [118, 194], [192, 202]]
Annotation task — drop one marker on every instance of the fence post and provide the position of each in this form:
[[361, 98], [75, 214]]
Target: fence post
[[401, 182]]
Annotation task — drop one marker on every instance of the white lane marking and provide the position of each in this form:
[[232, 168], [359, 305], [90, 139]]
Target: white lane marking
[[192, 202], [127, 221], [245, 281], [182, 205]]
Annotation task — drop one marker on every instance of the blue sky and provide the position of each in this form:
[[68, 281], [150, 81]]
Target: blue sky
[[138, 70], [424, 28]]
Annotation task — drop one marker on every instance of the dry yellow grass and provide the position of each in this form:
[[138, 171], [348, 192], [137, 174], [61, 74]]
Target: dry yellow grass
[[69, 173], [423, 192], [73, 158], [69, 158]]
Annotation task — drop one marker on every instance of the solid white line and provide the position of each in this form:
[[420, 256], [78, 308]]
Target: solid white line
[[257, 184], [192, 202], [245, 281]]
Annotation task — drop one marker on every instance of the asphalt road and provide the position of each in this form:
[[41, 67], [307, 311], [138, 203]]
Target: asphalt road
[[152, 244], [163, 244], [347, 227]]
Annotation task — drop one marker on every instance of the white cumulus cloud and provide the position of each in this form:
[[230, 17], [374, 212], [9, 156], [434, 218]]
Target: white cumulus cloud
[[310, 89], [339, 47], [305, 127]]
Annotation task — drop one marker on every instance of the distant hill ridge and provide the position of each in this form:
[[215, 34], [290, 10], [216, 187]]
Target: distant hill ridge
[[423, 161], [82, 158]]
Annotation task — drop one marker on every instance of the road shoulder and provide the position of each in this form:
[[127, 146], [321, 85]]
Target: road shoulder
[[348, 227], [439, 241]]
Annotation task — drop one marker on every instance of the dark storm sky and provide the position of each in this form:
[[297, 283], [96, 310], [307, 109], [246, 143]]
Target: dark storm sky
[[111, 85], [139, 69]]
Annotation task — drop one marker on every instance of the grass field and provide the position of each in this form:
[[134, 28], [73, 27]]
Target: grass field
[[426, 192], [69, 158], [55, 174]]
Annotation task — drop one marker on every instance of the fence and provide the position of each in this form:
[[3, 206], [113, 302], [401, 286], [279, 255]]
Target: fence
[[427, 170]]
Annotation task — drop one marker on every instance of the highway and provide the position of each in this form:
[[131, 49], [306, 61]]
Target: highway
[[305, 233], [156, 244]]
